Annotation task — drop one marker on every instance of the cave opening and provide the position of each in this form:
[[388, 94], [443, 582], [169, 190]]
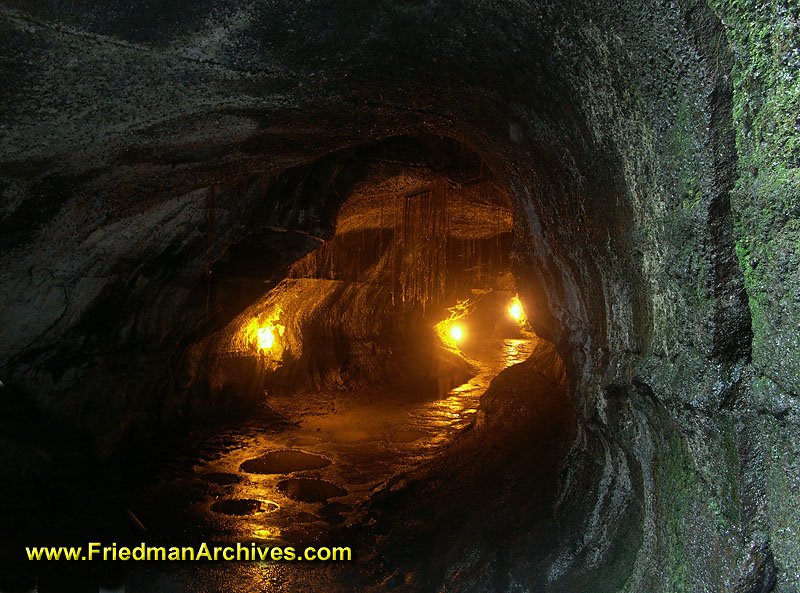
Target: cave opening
[[374, 352], [382, 341]]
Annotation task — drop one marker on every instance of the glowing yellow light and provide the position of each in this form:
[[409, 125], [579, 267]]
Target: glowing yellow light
[[450, 331], [515, 310], [267, 533], [265, 338]]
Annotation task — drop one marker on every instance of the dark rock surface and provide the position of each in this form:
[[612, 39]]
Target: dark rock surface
[[650, 151]]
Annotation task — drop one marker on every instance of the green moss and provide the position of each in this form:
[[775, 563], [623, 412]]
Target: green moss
[[678, 480], [698, 503], [765, 38], [783, 493], [767, 96], [729, 485]]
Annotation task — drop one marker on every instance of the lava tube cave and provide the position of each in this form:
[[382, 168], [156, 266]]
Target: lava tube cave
[[416, 297]]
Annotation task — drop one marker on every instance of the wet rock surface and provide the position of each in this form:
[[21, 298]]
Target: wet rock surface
[[649, 151], [310, 489], [221, 478], [283, 462], [243, 506], [188, 498]]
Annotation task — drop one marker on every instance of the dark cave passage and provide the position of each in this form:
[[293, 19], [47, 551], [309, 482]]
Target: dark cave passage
[[339, 373], [414, 243]]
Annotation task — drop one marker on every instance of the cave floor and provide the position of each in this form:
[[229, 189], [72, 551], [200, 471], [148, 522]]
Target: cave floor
[[352, 444], [368, 437]]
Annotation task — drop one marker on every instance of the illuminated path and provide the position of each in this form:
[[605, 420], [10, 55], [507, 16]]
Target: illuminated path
[[368, 437]]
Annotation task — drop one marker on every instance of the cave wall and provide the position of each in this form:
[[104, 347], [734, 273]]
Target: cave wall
[[420, 227], [650, 151]]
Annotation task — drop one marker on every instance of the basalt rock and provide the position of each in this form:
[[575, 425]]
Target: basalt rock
[[649, 152]]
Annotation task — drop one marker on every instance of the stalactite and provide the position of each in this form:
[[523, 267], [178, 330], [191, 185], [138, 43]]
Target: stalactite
[[426, 248]]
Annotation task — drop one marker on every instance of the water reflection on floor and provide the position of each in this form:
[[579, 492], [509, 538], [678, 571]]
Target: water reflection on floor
[[296, 483]]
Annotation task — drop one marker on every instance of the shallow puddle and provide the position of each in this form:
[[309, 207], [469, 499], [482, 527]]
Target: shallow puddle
[[310, 490], [284, 462]]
